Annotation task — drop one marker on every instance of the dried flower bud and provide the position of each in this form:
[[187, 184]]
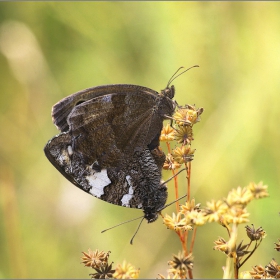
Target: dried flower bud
[[255, 234]]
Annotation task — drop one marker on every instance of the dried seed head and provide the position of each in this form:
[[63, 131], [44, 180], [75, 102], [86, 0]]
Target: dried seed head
[[239, 196], [240, 250], [190, 206], [187, 115], [221, 245], [255, 234], [183, 134], [176, 222], [258, 190], [104, 272], [126, 271], [95, 259], [167, 133], [196, 218], [273, 269], [183, 154], [277, 248], [215, 210], [170, 163], [258, 272], [180, 264], [236, 215]]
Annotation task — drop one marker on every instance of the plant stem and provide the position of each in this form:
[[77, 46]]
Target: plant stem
[[193, 239]]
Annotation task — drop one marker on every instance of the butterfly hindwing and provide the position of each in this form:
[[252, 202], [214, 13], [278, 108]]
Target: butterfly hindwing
[[136, 184]]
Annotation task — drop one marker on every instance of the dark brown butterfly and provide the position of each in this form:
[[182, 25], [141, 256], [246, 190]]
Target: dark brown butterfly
[[109, 143]]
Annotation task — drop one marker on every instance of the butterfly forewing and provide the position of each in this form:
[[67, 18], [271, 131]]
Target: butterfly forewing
[[62, 109]]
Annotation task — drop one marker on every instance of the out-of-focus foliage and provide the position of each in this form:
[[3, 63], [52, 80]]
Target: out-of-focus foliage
[[49, 50]]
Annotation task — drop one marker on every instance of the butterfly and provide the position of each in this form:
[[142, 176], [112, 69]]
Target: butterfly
[[108, 144]]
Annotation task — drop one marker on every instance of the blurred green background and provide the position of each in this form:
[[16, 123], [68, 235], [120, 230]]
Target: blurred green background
[[50, 50]]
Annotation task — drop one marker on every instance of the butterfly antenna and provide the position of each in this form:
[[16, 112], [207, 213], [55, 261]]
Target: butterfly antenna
[[179, 197], [122, 223], [170, 80], [173, 78], [174, 201], [173, 176], [131, 241]]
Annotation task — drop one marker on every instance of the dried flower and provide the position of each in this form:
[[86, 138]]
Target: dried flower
[[197, 218], [273, 269], [176, 222], [183, 154], [190, 206], [126, 271], [95, 259], [181, 117], [258, 190], [255, 234], [258, 272], [170, 163], [183, 134], [236, 215], [181, 264], [239, 196], [277, 248], [103, 272], [167, 133], [214, 210], [221, 245], [188, 115], [240, 250]]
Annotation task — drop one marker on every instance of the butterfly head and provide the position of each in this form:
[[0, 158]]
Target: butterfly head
[[151, 217], [155, 204], [168, 92]]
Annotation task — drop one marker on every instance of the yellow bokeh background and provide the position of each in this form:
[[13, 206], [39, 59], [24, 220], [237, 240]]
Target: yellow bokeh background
[[49, 50]]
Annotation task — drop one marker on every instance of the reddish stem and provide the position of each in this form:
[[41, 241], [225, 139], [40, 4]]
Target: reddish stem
[[189, 169], [193, 239], [175, 180]]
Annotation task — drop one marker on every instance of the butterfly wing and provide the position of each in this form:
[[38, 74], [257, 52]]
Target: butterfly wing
[[62, 109], [105, 127], [135, 184], [107, 143]]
